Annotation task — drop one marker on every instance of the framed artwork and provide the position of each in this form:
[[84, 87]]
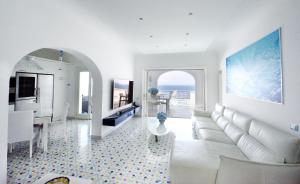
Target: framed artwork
[[256, 71]]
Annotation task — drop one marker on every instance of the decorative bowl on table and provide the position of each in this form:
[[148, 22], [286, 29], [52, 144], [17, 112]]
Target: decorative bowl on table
[[59, 180]]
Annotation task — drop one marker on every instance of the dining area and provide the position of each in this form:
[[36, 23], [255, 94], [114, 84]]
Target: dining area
[[25, 124]]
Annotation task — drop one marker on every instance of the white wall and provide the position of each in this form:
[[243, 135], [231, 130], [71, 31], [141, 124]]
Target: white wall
[[30, 25], [207, 61], [267, 18], [72, 90]]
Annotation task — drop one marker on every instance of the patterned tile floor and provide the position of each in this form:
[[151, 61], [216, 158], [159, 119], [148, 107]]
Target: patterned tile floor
[[128, 155]]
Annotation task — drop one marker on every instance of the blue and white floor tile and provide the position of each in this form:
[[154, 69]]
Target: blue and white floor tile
[[128, 155]]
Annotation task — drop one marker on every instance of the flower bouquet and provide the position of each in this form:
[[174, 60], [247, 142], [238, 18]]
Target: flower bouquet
[[153, 91], [161, 116]]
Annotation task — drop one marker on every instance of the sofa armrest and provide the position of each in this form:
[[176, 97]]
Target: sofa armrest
[[198, 112], [235, 171], [192, 163]]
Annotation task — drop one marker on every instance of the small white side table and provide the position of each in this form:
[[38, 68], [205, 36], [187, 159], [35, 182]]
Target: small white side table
[[156, 128]]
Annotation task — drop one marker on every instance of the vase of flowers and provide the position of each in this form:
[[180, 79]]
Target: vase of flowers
[[153, 91], [161, 116]]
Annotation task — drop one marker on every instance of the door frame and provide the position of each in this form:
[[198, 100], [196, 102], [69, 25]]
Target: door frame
[[89, 115], [145, 83]]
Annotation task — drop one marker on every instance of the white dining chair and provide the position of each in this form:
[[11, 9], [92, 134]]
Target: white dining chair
[[40, 122], [153, 104], [20, 128]]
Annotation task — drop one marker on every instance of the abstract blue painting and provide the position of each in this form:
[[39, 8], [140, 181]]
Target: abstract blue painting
[[255, 71]]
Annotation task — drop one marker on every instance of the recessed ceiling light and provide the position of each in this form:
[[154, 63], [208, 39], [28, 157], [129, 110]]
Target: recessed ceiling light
[[141, 18], [151, 36], [187, 34], [190, 13]]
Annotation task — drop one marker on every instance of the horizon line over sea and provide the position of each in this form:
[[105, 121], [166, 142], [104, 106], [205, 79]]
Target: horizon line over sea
[[176, 87]]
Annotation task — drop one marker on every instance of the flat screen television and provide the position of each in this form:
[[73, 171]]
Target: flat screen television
[[121, 93], [26, 86]]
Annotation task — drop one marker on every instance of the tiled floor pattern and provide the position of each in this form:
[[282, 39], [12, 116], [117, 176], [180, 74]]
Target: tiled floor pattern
[[128, 155]]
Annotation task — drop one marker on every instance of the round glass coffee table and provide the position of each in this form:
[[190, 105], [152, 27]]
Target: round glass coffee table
[[156, 128]]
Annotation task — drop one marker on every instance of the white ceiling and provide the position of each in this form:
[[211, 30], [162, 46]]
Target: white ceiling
[[169, 22], [53, 54]]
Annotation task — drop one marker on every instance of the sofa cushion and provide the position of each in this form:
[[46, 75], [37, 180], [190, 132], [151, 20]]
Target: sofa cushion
[[256, 151], [219, 109], [222, 122], [215, 115], [195, 161], [242, 121], [234, 171], [233, 132], [214, 135], [206, 125], [228, 113], [284, 144]]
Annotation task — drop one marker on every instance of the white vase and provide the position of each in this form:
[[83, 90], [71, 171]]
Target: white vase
[[161, 121]]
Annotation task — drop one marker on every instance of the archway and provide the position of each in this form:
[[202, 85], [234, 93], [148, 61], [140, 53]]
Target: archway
[[179, 87], [95, 125], [97, 86]]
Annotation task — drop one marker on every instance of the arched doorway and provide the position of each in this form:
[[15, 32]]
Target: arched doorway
[[59, 61], [189, 82], [32, 66], [179, 87]]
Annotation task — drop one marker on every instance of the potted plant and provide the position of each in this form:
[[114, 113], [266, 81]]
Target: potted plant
[[153, 91], [161, 116]]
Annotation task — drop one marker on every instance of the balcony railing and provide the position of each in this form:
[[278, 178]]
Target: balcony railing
[[181, 103]]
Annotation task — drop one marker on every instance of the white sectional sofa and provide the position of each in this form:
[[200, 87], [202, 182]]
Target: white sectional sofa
[[229, 133]]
